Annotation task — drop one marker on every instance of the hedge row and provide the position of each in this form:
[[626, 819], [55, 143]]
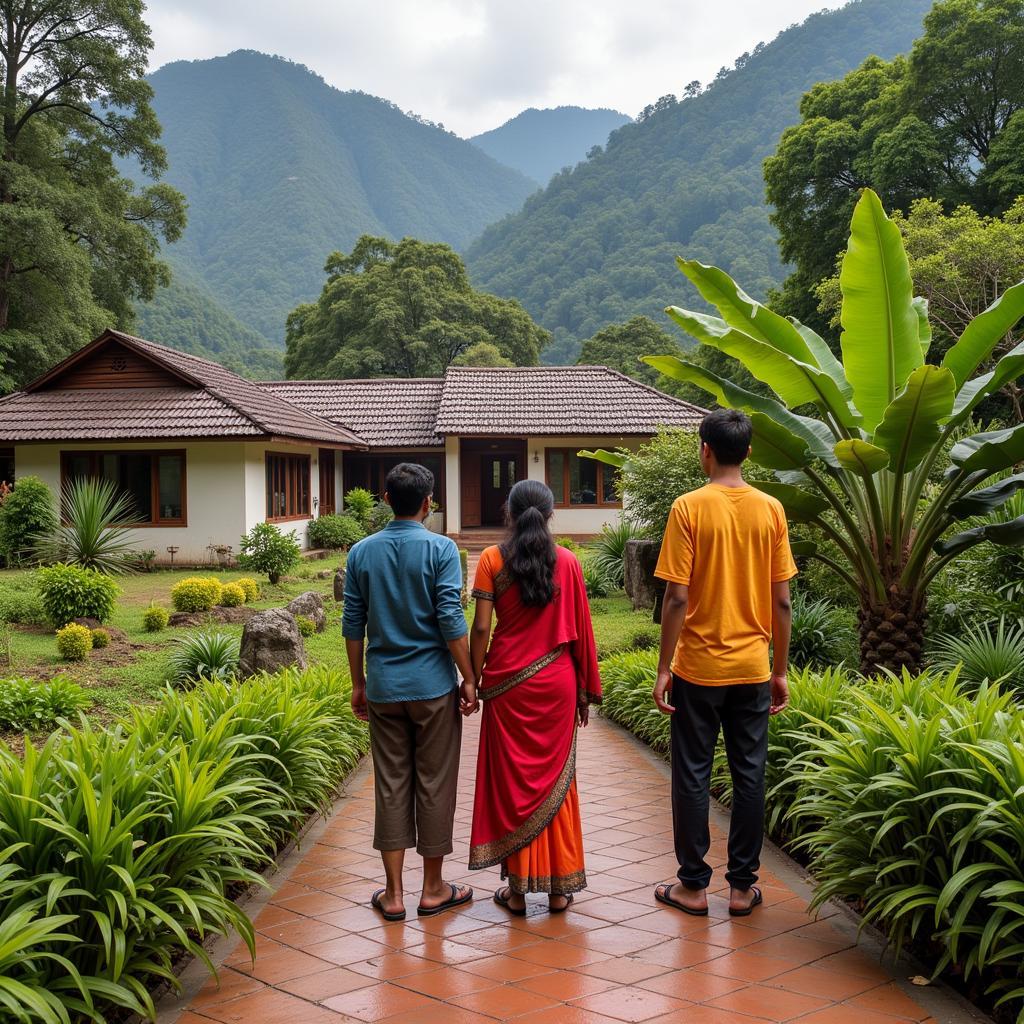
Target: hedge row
[[119, 848]]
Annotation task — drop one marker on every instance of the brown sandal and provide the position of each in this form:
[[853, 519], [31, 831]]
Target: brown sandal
[[502, 897], [661, 894]]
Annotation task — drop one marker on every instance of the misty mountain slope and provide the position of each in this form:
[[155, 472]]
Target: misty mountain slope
[[541, 142], [597, 245]]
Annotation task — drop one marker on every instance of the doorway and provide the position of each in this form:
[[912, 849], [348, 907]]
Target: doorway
[[489, 469]]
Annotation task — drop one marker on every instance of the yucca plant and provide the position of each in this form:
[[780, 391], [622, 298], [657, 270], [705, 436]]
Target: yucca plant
[[609, 549], [822, 634], [855, 462], [988, 653], [204, 656], [94, 528]]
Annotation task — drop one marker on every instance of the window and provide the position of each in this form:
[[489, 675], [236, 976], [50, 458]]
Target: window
[[576, 481], [154, 482], [287, 486], [370, 471]]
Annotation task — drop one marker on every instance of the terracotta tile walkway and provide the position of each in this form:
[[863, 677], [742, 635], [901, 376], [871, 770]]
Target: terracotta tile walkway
[[324, 957]]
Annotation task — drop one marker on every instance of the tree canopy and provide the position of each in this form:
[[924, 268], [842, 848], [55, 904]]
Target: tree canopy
[[946, 122], [622, 346], [78, 244], [403, 309]]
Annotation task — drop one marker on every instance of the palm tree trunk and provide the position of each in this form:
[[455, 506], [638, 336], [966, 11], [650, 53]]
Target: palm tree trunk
[[892, 632]]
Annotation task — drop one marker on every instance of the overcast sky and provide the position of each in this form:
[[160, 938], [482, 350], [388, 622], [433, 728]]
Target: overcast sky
[[473, 64]]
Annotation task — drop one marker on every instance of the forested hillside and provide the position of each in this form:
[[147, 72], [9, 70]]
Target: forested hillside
[[280, 169], [597, 245], [540, 143]]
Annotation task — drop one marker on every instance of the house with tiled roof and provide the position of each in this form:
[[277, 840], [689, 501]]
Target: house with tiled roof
[[205, 454]]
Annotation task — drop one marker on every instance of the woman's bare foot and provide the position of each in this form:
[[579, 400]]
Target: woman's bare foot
[[558, 903], [515, 901]]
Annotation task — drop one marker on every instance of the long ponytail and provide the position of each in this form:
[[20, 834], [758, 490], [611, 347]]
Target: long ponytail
[[529, 550]]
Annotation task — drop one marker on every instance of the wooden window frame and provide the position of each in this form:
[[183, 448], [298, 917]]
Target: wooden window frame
[[155, 454], [295, 467], [562, 500]]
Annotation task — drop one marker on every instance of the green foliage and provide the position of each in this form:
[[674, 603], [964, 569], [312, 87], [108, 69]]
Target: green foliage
[[482, 353], [266, 549], [251, 588], [198, 656], [433, 315], [609, 550], [73, 592], [100, 638], [359, 503], [20, 604], [822, 634], [622, 347], [595, 246], [232, 595], [335, 532], [155, 618], [93, 531], [570, 545], [196, 593], [26, 514], [78, 244], [987, 653], [379, 517], [74, 642], [464, 570], [307, 627], [925, 125], [31, 705], [167, 817], [596, 577]]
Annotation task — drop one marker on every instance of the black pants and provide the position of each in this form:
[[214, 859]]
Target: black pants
[[741, 712]]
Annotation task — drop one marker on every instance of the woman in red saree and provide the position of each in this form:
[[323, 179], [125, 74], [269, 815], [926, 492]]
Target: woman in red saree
[[537, 680]]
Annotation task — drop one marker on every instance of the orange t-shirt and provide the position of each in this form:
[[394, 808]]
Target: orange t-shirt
[[728, 545]]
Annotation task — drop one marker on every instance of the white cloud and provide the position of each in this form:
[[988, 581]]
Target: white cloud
[[472, 64]]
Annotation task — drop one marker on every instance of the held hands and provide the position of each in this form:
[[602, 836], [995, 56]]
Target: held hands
[[663, 692], [469, 702], [358, 701], [780, 693]]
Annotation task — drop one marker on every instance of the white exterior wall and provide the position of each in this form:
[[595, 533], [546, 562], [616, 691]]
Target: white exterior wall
[[255, 487], [452, 482], [214, 499]]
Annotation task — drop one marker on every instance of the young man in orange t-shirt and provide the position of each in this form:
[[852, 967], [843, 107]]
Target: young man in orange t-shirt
[[727, 563]]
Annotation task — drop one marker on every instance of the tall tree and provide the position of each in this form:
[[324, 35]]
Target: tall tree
[[78, 243], [945, 123], [622, 346], [403, 309]]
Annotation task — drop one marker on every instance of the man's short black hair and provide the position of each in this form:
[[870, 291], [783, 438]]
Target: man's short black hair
[[408, 485], [727, 432]]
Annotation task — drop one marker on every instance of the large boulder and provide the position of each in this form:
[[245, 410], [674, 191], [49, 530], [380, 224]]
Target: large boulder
[[639, 562], [218, 614], [311, 605], [339, 585], [271, 641]]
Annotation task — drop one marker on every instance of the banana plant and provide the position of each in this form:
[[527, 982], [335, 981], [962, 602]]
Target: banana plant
[[854, 442]]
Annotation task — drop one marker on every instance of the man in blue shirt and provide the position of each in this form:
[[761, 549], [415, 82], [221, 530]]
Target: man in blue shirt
[[403, 589]]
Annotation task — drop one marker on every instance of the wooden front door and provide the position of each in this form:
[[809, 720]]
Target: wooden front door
[[470, 489], [498, 472], [328, 502]]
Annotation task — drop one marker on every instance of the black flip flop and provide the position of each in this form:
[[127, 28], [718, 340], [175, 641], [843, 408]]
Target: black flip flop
[[388, 915], [455, 901], [502, 901], [661, 894], [755, 902], [569, 898]]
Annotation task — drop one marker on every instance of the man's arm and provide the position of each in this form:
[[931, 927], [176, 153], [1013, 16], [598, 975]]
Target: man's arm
[[357, 670], [353, 628], [673, 614], [451, 620], [782, 622]]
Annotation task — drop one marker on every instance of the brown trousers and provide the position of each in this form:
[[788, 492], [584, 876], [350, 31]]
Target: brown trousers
[[415, 746]]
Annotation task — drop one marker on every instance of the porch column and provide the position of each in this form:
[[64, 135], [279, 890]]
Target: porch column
[[453, 496]]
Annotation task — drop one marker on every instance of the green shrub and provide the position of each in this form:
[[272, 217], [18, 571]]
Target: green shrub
[[822, 634], [307, 627], [379, 517], [232, 595], [265, 549], [204, 656], [251, 588], [359, 504], [988, 653], [73, 592], [196, 593], [26, 514], [609, 550], [596, 578], [27, 705], [155, 619], [100, 638], [570, 545], [646, 639], [335, 532], [464, 568], [22, 607], [74, 642]]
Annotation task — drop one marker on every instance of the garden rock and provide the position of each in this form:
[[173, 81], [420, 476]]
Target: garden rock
[[271, 641], [339, 585], [324, 574], [218, 614], [639, 563], [311, 605]]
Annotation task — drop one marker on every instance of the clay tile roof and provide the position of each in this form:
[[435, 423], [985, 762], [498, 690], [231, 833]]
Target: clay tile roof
[[394, 413], [562, 400], [210, 402]]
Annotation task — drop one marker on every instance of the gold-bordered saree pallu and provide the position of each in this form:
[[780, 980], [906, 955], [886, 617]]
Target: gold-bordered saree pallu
[[541, 665]]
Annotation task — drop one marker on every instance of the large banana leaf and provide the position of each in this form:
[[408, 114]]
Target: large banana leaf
[[818, 437], [861, 457], [982, 502], [912, 423], [801, 506], [615, 459], [1010, 367], [802, 548], [775, 447], [924, 324], [795, 382], [983, 333], [759, 322], [1009, 534], [991, 451], [881, 337]]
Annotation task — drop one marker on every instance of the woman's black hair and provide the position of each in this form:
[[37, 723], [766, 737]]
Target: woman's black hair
[[529, 549]]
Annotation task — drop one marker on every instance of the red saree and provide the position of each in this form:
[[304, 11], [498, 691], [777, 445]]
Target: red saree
[[541, 664]]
